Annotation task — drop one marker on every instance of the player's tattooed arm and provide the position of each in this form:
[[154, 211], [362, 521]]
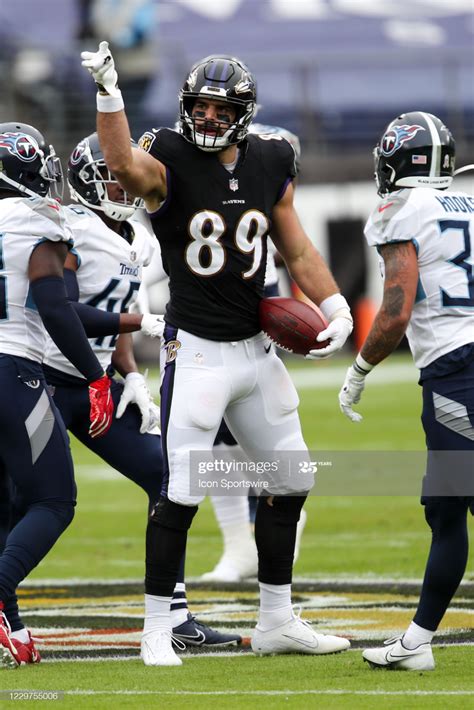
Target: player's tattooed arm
[[401, 280]]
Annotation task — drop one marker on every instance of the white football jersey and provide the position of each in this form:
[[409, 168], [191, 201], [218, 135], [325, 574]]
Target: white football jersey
[[24, 223], [109, 274], [440, 223]]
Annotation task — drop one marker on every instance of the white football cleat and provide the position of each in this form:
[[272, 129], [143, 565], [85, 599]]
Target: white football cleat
[[234, 567], [296, 636], [157, 649], [299, 533], [394, 656]]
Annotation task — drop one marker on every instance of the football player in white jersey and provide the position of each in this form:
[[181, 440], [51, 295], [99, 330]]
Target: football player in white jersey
[[34, 448], [423, 229], [103, 273]]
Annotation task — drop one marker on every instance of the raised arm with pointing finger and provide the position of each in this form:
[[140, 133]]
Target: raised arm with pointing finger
[[138, 172]]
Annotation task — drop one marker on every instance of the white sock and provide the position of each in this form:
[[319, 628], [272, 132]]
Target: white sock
[[179, 605], [157, 613], [416, 635], [232, 514], [275, 605], [21, 635]]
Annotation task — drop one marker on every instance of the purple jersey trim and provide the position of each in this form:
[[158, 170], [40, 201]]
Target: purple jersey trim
[[166, 398], [284, 188]]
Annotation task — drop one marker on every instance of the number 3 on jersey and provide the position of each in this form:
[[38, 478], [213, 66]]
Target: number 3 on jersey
[[206, 256], [460, 261], [3, 284]]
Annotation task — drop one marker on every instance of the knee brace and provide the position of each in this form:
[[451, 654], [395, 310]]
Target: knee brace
[[172, 515]]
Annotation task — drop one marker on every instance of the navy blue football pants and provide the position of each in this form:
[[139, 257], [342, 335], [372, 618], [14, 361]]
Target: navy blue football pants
[[137, 456], [35, 457], [446, 514]]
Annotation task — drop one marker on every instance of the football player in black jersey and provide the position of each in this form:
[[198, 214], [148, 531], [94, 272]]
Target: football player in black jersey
[[212, 193], [235, 515]]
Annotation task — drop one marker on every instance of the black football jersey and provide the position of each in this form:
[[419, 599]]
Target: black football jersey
[[213, 229]]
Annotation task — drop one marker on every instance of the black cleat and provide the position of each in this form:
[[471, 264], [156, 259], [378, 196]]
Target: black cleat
[[194, 633]]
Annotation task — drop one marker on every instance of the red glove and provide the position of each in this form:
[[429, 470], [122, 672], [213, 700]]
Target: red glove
[[102, 406]]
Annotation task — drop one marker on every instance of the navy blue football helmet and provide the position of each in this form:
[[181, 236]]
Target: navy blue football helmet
[[88, 177], [415, 150], [28, 165]]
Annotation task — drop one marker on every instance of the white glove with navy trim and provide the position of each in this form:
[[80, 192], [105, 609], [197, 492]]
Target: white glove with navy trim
[[102, 67], [136, 391], [351, 392]]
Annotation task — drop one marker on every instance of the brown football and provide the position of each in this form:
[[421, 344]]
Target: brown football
[[293, 325]]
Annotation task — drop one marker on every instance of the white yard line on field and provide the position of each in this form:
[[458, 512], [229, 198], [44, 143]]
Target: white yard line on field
[[189, 656], [335, 581], [386, 374], [330, 691]]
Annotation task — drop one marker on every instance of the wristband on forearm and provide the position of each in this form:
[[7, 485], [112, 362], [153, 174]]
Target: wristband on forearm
[[362, 366], [109, 104], [335, 306]]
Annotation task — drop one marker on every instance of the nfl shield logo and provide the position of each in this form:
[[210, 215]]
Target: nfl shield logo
[[233, 184], [133, 256]]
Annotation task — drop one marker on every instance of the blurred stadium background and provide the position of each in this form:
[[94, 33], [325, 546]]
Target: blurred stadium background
[[335, 72]]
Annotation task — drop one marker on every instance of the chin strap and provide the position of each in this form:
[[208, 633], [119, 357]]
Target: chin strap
[[18, 187]]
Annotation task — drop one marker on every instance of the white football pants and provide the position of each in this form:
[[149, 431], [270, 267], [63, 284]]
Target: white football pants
[[245, 382]]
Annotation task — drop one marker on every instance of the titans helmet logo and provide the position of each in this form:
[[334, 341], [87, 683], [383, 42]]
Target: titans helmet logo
[[395, 137], [78, 152], [20, 145]]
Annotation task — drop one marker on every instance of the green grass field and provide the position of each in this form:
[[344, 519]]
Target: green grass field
[[351, 545]]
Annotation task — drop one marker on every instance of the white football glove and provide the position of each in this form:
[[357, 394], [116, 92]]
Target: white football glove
[[136, 392], [102, 67], [152, 325], [337, 333], [351, 392]]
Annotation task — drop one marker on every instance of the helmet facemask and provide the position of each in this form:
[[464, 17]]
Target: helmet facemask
[[52, 172], [219, 134], [384, 174]]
